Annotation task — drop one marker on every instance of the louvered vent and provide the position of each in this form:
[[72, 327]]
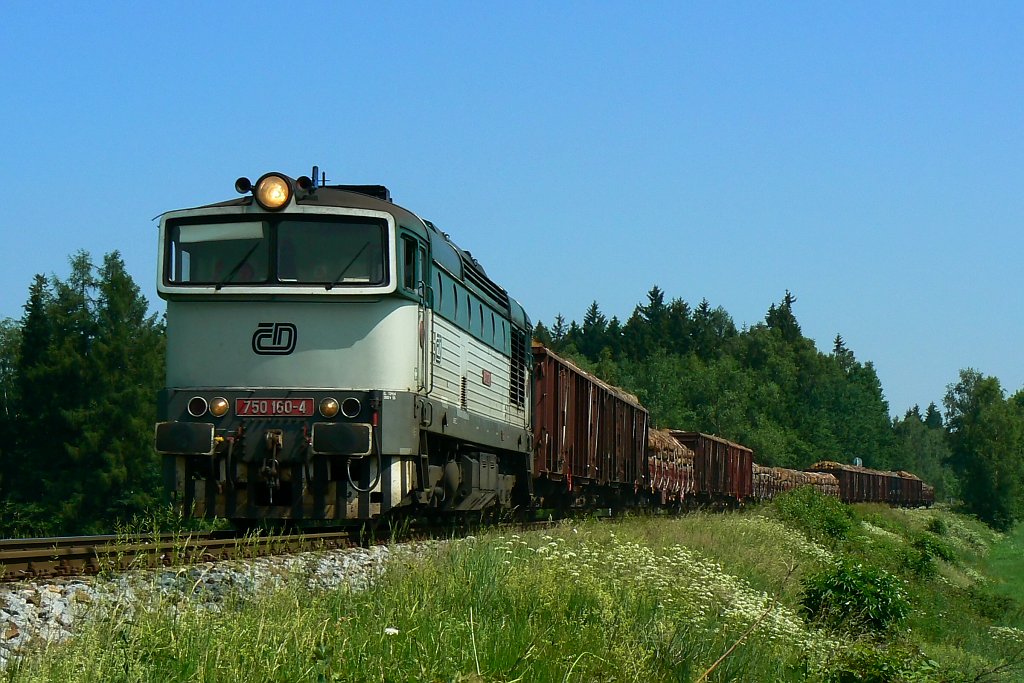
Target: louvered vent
[[517, 369], [474, 273]]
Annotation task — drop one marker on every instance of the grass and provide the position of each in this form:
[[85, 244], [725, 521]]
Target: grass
[[639, 600], [1003, 565]]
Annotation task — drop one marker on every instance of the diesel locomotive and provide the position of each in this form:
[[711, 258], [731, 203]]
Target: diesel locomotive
[[333, 356]]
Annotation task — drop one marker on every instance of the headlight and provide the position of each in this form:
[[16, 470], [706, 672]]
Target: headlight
[[329, 407], [273, 191], [219, 406], [351, 407], [197, 406]]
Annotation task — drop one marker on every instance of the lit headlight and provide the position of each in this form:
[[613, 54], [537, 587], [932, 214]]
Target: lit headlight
[[329, 407], [273, 191], [219, 406]]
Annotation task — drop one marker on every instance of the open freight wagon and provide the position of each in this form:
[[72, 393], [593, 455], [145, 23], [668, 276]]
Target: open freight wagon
[[590, 438], [722, 470]]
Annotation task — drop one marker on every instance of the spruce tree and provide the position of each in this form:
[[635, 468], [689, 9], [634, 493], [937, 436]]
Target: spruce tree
[[117, 424]]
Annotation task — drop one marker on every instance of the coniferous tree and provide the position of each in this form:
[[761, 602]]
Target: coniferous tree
[[36, 408], [558, 332], [843, 355], [592, 337], [117, 425], [613, 337], [678, 327], [69, 378], [781, 318], [10, 340], [89, 364], [542, 334]]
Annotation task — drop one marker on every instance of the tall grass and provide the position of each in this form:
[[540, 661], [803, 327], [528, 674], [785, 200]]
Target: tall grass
[[581, 604], [640, 600]]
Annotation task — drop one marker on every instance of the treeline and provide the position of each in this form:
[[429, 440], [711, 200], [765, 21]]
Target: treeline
[[78, 380], [79, 374], [769, 387]]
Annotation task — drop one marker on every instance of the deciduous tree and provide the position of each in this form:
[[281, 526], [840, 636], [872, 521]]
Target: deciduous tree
[[985, 438]]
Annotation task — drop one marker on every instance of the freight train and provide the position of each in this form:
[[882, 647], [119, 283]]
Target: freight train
[[334, 357]]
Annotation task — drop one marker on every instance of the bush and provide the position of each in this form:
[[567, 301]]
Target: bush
[[918, 557], [814, 512], [864, 662], [855, 597], [937, 526], [933, 547]]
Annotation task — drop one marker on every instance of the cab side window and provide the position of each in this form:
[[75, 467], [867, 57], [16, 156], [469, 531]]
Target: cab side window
[[409, 279]]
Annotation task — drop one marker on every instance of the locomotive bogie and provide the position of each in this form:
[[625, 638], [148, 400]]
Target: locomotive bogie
[[321, 490]]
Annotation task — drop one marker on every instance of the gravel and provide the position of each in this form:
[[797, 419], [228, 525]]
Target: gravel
[[37, 613]]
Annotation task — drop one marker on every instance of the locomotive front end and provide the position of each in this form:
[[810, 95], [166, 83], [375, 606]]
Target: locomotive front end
[[331, 356], [288, 355]]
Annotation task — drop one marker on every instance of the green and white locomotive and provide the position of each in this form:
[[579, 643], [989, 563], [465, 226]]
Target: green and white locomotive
[[332, 356]]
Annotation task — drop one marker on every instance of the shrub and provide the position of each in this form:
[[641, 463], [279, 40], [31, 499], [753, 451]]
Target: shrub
[[918, 557], [933, 547], [937, 526], [855, 597], [814, 512], [865, 662]]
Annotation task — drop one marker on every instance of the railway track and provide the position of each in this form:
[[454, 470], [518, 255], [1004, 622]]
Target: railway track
[[36, 558], [68, 556]]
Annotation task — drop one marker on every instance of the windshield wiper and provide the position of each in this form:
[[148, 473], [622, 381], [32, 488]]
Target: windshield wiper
[[344, 270], [238, 266]]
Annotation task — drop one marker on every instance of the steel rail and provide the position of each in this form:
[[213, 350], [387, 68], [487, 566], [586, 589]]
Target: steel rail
[[39, 558], [68, 556]]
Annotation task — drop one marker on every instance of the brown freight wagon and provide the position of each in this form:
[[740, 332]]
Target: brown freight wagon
[[853, 486], [856, 484], [722, 470], [927, 495], [590, 438], [865, 485], [911, 489]]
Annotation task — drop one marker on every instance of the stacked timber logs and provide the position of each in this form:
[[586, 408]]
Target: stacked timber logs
[[771, 481], [671, 467]]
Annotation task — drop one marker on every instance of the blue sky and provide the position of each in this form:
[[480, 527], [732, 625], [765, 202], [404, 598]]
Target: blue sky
[[866, 156]]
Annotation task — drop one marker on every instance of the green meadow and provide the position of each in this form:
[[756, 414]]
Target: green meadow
[[802, 589]]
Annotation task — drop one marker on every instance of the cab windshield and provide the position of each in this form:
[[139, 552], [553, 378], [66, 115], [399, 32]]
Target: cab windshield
[[286, 251]]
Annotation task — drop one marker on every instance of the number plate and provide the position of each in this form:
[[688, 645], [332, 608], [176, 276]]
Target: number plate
[[274, 407]]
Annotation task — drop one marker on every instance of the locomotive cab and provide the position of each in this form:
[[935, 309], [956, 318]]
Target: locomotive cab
[[329, 357]]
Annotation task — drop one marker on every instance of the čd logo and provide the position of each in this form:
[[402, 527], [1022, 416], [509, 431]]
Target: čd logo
[[274, 339]]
